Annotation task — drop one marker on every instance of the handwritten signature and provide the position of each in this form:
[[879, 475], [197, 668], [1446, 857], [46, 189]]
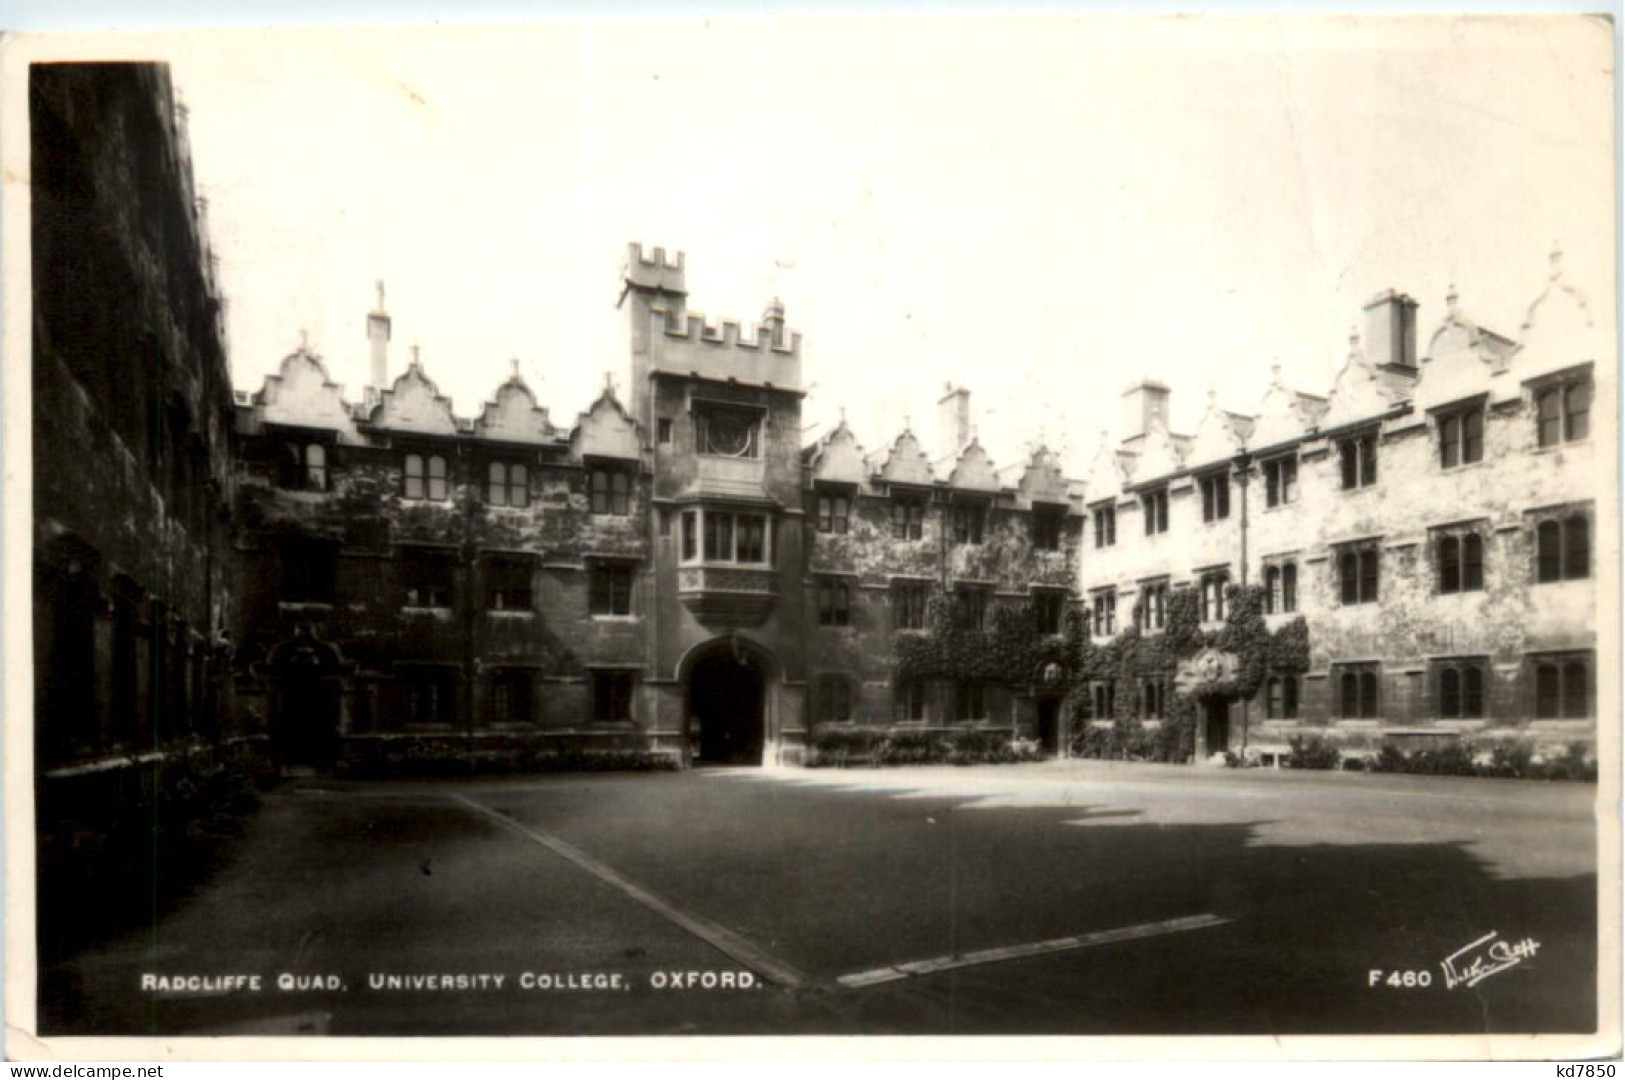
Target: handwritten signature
[[1478, 960]]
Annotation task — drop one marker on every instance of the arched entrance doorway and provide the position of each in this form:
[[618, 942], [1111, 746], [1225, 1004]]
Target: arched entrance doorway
[[305, 705], [727, 706]]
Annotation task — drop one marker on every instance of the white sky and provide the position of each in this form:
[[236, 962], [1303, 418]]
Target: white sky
[[1040, 209]]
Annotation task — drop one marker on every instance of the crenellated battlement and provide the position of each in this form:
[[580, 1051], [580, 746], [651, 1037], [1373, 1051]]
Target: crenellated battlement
[[769, 335], [653, 271]]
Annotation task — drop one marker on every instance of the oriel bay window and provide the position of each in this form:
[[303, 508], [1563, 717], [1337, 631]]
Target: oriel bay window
[[725, 536]]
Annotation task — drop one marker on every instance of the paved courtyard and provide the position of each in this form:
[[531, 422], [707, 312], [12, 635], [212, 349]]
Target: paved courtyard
[[1063, 897]]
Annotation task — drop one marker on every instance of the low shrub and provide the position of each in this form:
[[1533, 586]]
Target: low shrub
[[1313, 753], [1506, 759]]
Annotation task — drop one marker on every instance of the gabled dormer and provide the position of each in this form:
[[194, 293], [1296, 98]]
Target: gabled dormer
[[606, 430], [1462, 356], [513, 415], [1284, 415], [1042, 481], [1107, 476], [1159, 454], [415, 405], [1360, 392], [1559, 330], [838, 459], [973, 472], [906, 463], [300, 394], [1220, 436]]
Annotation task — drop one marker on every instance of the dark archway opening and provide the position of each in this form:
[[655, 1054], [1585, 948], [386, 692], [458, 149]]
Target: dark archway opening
[[726, 708], [1049, 726], [1217, 715], [307, 727], [305, 717]]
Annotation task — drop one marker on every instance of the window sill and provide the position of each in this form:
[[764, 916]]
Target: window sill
[[1560, 446], [605, 617], [425, 609], [1466, 466], [304, 605], [509, 613]]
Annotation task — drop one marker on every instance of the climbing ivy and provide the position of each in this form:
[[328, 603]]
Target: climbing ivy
[[1012, 651]]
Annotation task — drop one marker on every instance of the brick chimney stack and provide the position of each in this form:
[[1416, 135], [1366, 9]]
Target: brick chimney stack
[[378, 327], [1390, 331], [953, 420]]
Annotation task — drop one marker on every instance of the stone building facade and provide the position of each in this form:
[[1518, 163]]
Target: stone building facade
[[1433, 519], [133, 477], [677, 576]]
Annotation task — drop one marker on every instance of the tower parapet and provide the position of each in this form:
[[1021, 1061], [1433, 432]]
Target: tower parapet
[[668, 339], [653, 271]]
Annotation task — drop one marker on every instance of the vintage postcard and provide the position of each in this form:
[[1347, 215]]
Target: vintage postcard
[[911, 526]]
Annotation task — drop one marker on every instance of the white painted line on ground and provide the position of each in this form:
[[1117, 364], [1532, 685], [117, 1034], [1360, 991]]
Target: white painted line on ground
[[717, 936], [1032, 948]]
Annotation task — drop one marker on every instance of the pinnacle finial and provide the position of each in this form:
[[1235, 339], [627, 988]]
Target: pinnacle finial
[[1354, 337], [1275, 371], [417, 359], [842, 410], [513, 366], [379, 285], [304, 340], [1557, 260], [1451, 296]]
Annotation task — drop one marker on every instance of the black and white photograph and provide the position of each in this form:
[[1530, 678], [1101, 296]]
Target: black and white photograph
[[816, 525]]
